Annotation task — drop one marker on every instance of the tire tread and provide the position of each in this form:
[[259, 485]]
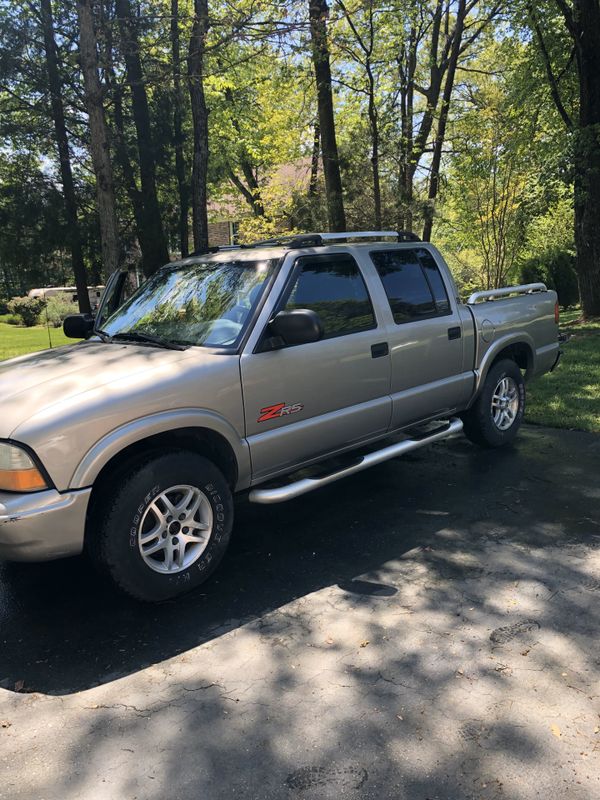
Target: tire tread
[[100, 545], [478, 426]]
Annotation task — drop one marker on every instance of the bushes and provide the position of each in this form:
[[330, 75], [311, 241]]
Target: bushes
[[27, 308], [11, 319], [557, 271], [564, 278], [57, 308], [30, 311]]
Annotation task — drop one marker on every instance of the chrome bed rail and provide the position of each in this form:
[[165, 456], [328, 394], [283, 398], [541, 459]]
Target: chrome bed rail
[[497, 294]]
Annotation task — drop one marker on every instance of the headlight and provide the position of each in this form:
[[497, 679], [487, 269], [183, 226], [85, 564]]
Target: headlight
[[18, 472]]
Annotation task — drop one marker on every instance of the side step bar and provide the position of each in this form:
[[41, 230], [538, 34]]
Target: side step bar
[[304, 485]]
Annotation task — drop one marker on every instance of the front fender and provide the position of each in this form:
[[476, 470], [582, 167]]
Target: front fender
[[117, 440]]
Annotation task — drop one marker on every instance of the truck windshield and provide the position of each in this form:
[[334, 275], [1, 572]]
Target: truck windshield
[[206, 303]]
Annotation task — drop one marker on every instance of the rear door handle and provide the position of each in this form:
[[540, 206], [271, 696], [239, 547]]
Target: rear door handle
[[379, 350], [454, 333]]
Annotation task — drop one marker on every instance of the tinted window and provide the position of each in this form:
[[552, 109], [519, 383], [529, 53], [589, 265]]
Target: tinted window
[[436, 283], [412, 283], [333, 287]]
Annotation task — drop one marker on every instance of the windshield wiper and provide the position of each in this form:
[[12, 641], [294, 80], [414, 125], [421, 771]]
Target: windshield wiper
[[146, 338]]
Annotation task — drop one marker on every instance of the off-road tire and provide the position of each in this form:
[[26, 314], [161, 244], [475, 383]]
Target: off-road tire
[[114, 543], [478, 421]]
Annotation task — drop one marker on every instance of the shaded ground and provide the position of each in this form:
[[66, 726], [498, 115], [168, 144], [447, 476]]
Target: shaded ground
[[425, 630]]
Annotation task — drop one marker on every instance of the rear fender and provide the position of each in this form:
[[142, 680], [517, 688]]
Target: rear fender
[[495, 349]]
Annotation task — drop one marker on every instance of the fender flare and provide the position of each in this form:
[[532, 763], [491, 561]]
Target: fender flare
[[493, 351], [132, 432]]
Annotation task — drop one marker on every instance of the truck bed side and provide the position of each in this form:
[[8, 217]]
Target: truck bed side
[[523, 325]]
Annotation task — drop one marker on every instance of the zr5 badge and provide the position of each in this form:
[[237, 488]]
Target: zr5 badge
[[279, 410]]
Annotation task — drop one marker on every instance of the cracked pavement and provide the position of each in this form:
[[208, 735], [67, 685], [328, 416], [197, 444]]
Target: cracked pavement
[[426, 630]]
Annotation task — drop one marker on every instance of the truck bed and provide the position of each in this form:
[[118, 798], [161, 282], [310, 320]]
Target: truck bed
[[518, 314]]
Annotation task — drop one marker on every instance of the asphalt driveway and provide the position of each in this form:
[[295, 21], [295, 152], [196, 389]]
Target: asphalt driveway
[[425, 630]]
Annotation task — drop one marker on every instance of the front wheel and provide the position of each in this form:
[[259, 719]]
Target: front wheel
[[495, 417], [164, 529]]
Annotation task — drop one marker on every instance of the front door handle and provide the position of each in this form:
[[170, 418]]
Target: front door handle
[[379, 350], [454, 333]]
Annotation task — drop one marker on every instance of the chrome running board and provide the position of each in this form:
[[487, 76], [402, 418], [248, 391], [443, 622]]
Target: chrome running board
[[304, 485]]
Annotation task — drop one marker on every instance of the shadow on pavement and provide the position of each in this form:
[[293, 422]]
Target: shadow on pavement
[[63, 629]]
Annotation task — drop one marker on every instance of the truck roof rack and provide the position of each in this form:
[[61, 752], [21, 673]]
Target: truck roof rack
[[216, 249], [322, 238], [297, 240]]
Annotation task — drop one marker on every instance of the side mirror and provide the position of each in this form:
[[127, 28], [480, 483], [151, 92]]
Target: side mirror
[[299, 326], [78, 326]]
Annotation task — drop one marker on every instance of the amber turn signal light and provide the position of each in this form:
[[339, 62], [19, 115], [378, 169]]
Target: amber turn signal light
[[21, 480], [18, 472]]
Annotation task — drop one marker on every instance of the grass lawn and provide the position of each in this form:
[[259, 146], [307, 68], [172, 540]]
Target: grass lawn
[[569, 397], [15, 341]]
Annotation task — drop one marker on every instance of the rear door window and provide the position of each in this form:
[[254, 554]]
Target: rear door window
[[333, 287], [435, 281], [413, 284]]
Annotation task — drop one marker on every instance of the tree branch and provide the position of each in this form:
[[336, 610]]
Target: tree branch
[[554, 91]]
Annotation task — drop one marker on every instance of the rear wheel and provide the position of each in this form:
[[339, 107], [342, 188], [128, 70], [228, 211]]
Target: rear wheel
[[496, 416], [164, 528]]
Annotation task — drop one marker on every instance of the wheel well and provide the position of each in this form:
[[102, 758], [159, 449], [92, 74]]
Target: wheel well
[[203, 441], [520, 353]]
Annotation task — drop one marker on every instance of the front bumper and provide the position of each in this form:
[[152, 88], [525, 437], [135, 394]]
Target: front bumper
[[42, 525]]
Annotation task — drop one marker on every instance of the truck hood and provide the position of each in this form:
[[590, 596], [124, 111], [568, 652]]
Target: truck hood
[[30, 384]]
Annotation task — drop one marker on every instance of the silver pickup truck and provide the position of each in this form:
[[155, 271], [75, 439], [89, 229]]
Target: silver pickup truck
[[273, 369]]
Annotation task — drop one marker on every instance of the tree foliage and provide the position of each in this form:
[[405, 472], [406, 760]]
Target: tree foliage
[[461, 119]]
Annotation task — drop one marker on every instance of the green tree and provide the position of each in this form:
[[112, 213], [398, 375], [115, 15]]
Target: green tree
[[578, 34]]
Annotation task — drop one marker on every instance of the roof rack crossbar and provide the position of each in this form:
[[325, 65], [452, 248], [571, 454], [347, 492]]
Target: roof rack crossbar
[[204, 251], [359, 235], [298, 240], [319, 239]]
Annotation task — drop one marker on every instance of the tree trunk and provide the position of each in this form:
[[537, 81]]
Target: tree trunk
[[438, 145], [258, 208], [180, 170], [366, 46], [66, 174], [406, 74], [314, 161], [115, 91], [318, 11], [582, 21], [253, 201], [442, 42], [122, 155], [586, 16], [157, 252], [99, 147], [124, 161], [250, 191], [416, 144], [200, 123], [375, 153]]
